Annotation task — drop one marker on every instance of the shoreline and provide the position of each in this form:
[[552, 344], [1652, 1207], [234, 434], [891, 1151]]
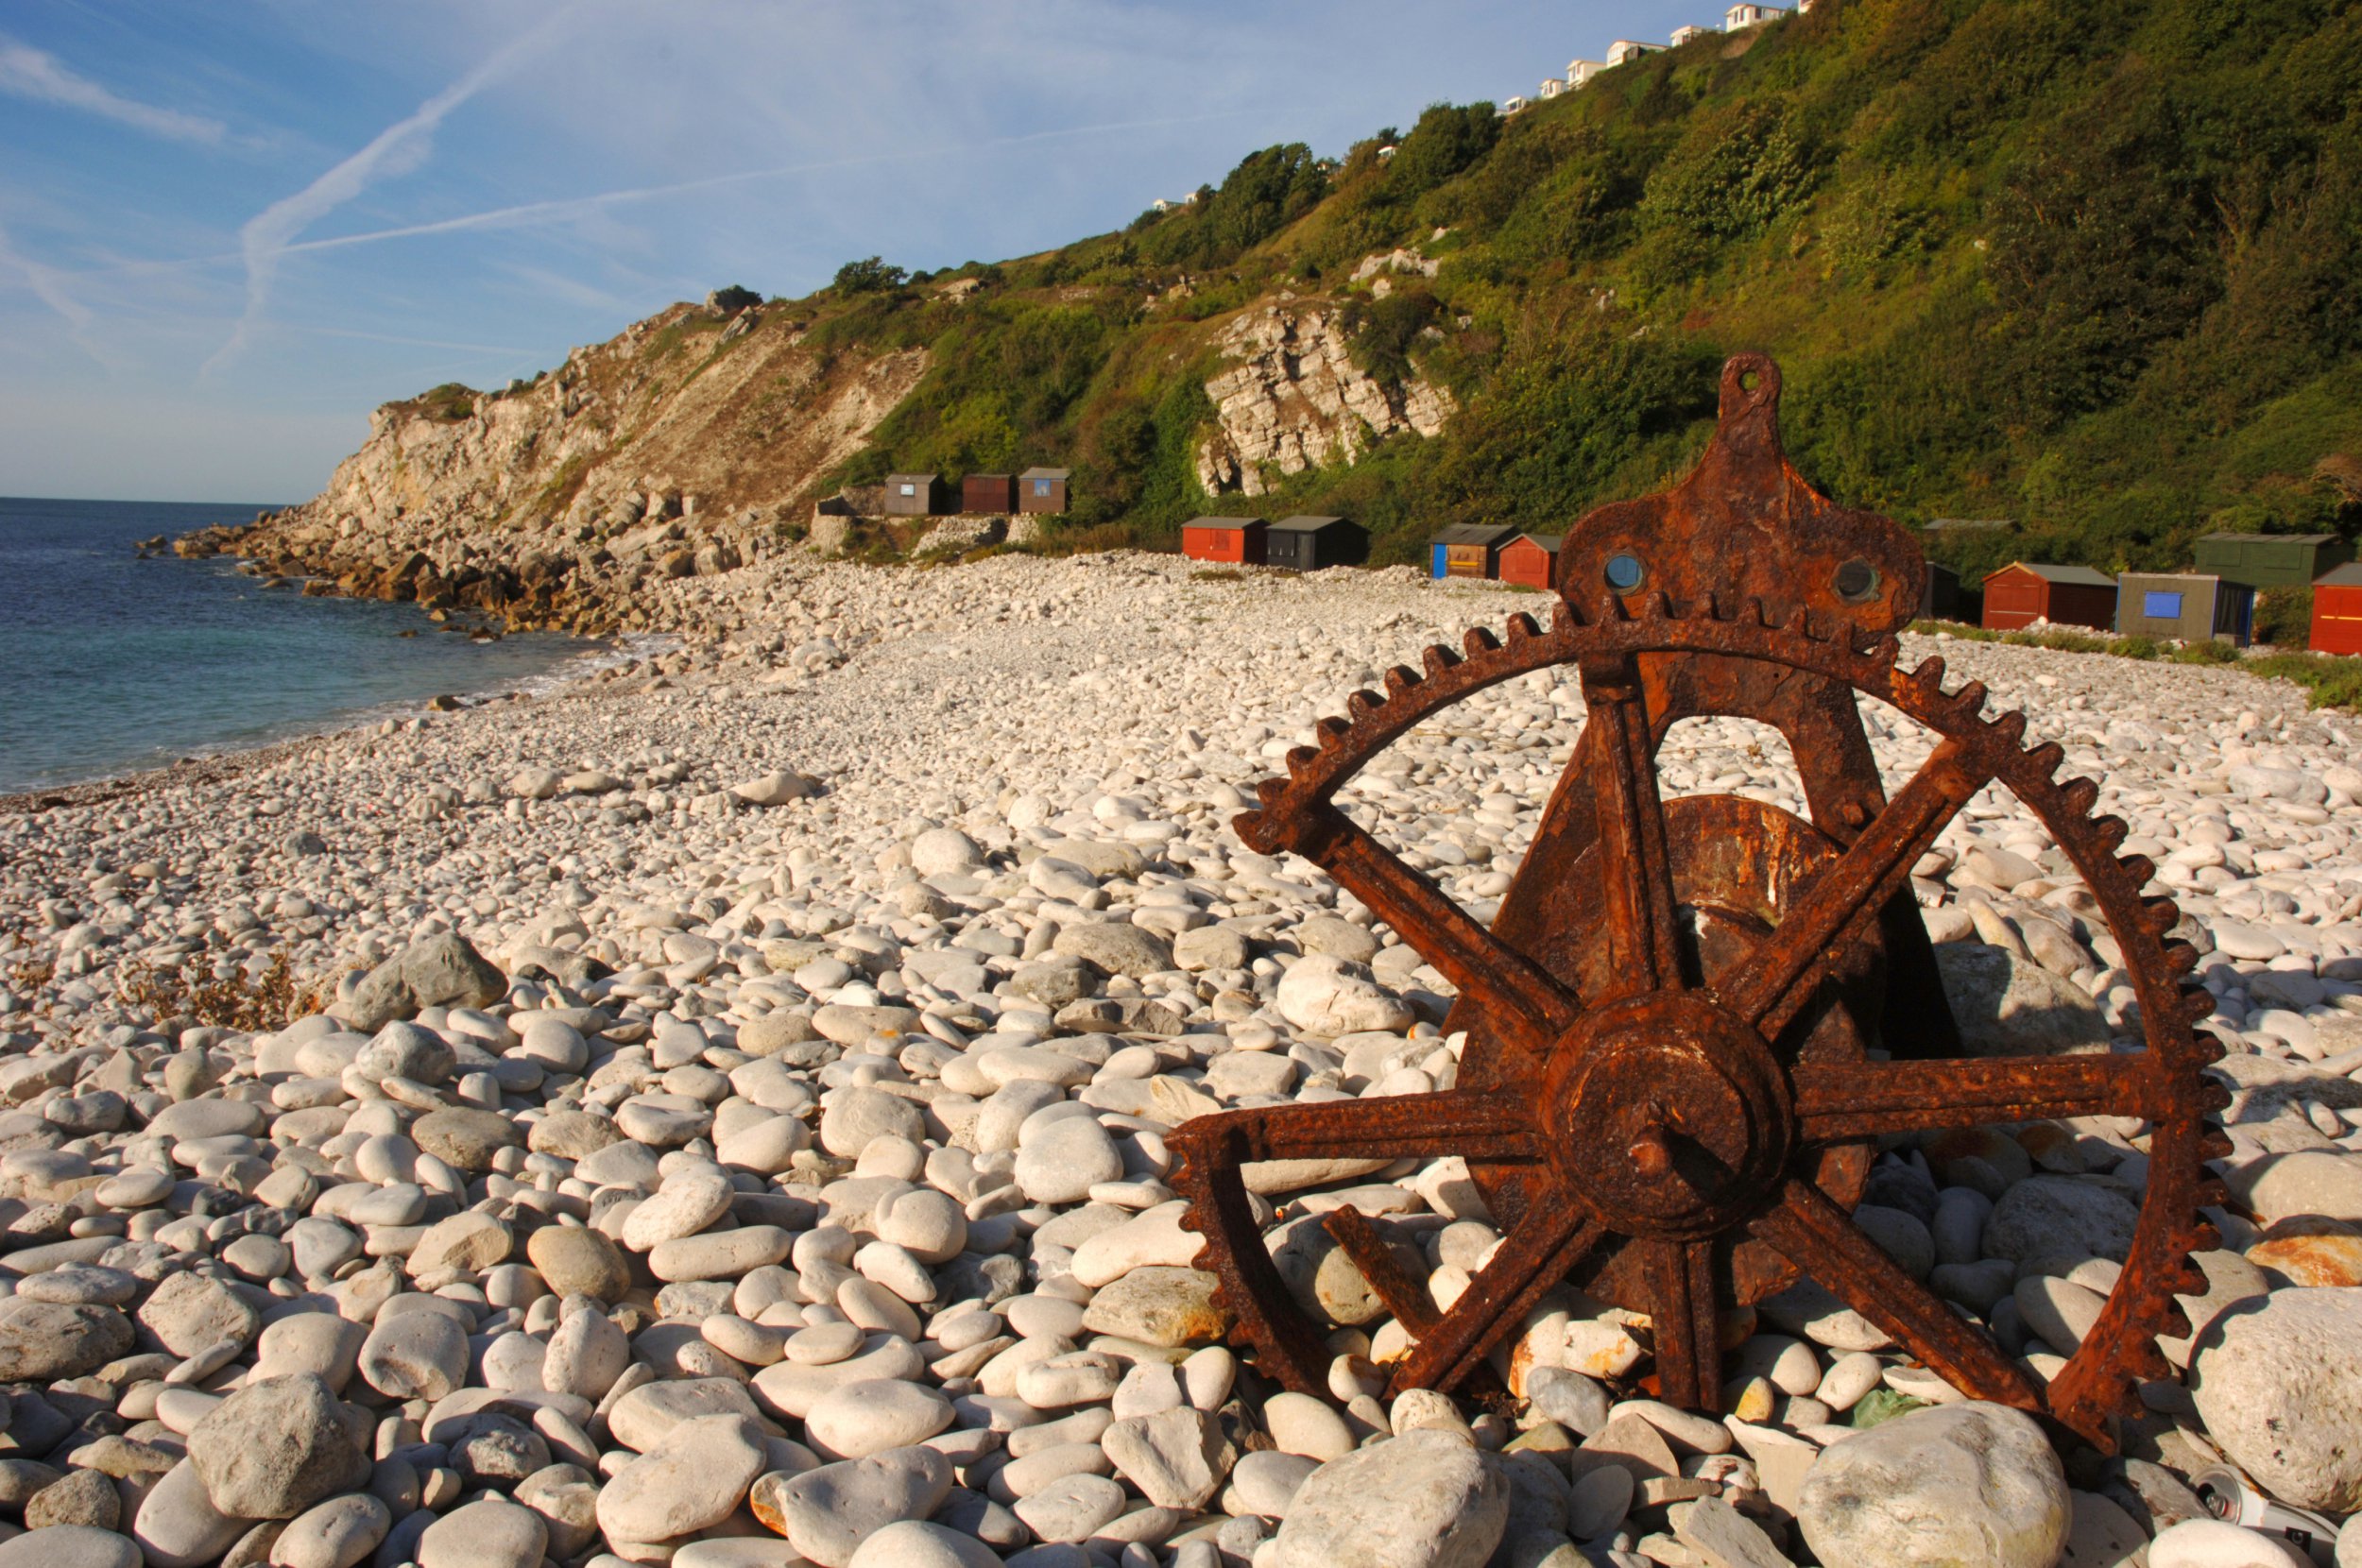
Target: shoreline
[[217, 763]]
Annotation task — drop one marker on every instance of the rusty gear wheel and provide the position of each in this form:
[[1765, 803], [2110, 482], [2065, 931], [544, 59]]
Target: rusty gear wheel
[[1667, 1094]]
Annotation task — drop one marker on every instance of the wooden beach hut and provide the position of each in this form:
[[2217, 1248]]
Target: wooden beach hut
[[1530, 559], [989, 492], [1307, 543], [2337, 611], [1467, 551], [1232, 541], [2186, 606], [1041, 490], [2023, 592], [914, 495]]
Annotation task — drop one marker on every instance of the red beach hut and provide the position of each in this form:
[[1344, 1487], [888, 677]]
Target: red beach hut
[[2337, 611], [1530, 559], [2023, 592], [1234, 541]]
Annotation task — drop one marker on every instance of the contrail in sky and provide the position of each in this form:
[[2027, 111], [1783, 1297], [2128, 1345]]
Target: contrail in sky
[[530, 212], [400, 147]]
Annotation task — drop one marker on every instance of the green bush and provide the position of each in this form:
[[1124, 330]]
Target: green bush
[[2284, 617], [2205, 650], [2334, 681], [871, 275]]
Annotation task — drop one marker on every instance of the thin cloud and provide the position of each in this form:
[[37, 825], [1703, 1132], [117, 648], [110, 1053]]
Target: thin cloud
[[50, 287], [398, 148], [29, 73], [530, 213], [46, 282]]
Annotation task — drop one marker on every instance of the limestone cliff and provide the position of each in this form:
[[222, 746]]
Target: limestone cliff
[[669, 449], [1297, 400]]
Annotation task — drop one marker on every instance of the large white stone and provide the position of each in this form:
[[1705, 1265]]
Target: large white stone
[[2278, 1381], [1956, 1482], [1428, 1499]]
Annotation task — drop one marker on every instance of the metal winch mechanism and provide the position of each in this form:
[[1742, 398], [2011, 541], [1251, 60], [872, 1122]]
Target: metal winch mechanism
[[1693, 1019]]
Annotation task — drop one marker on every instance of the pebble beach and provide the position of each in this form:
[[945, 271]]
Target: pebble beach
[[715, 1115]]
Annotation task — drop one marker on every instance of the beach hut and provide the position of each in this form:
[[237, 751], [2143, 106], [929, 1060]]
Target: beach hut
[[1234, 541], [2186, 606], [2338, 612], [1309, 543], [1942, 598], [2270, 560], [2026, 592], [1530, 559], [1467, 551], [989, 492], [914, 495], [1041, 490]]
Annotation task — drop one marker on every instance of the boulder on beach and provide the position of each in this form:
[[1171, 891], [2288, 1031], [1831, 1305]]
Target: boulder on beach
[[438, 971]]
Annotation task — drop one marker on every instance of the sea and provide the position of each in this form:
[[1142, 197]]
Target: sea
[[110, 664]]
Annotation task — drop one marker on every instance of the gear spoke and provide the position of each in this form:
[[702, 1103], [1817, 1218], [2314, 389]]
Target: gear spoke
[[1519, 996], [1778, 978], [1682, 1309], [1816, 1235], [1455, 1121], [1527, 1266], [1636, 865], [1861, 1099]]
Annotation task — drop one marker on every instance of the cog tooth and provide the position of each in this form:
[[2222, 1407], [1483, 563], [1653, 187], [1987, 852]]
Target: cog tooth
[[2011, 727], [1522, 629], [2161, 915], [2204, 1237], [2197, 1002], [1268, 791], [2046, 758], [1612, 610], [1656, 608], [2206, 1049], [1928, 677], [2212, 1193], [2139, 868], [1401, 678], [1300, 760], [2173, 1323], [2215, 1098], [1439, 659], [1755, 609], [1362, 704], [2110, 832], [2143, 1357], [1480, 640], [1332, 731], [2180, 957], [1969, 701]]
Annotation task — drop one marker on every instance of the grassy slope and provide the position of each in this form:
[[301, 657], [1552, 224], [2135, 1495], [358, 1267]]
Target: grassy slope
[[2093, 267]]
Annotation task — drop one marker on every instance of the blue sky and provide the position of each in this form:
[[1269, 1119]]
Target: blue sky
[[228, 230]]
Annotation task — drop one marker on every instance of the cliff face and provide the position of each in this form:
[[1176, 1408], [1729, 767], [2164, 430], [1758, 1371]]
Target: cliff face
[[1297, 400], [669, 449]]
